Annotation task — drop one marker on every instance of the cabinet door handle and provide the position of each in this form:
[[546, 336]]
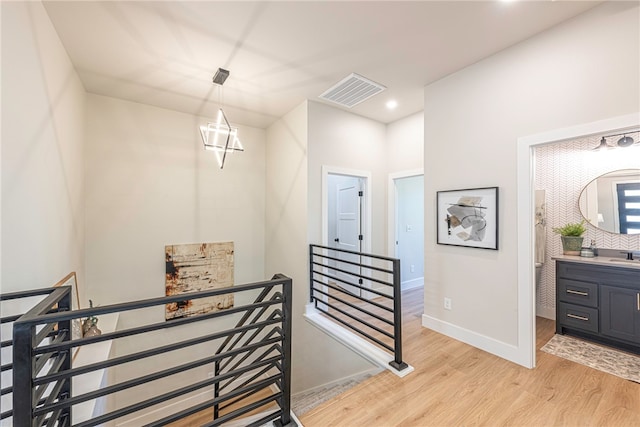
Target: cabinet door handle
[[573, 316], [584, 294]]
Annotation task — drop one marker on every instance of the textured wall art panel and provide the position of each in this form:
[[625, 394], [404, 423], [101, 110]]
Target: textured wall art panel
[[562, 170], [194, 268]]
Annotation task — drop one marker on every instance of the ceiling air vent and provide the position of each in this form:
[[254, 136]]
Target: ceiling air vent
[[352, 90]]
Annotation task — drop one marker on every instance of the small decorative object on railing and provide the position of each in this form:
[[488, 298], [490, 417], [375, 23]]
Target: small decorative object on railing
[[90, 325]]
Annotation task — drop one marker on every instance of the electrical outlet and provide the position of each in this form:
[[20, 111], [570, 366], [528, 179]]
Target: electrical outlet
[[413, 268], [447, 303]]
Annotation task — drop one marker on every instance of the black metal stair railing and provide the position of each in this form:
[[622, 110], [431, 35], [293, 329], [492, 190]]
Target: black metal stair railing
[[9, 303], [362, 292], [43, 396]]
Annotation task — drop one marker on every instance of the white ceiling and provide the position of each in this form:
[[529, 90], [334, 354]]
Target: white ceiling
[[281, 53]]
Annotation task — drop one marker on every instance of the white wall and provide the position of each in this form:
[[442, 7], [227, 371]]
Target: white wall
[[345, 140], [42, 153], [473, 119], [150, 183], [318, 359], [405, 143]]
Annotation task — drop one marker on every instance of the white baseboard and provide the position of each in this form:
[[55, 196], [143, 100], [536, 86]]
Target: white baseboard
[[546, 312], [501, 349], [412, 284], [364, 348]]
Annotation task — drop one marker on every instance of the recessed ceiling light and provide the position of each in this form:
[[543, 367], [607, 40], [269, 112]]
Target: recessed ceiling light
[[392, 104]]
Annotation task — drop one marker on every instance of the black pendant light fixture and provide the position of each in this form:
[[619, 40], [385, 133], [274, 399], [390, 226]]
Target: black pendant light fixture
[[602, 146], [624, 141]]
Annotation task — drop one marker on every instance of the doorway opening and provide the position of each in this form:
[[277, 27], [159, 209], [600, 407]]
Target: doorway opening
[[406, 226], [346, 220], [524, 353]]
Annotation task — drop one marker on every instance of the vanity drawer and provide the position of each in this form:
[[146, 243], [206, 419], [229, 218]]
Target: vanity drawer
[[578, 317], [577, 292]]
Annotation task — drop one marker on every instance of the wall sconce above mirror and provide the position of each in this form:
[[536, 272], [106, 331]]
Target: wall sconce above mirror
[[611, 202]]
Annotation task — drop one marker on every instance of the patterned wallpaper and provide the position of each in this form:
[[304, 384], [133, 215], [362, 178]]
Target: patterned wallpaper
[[562, 170]]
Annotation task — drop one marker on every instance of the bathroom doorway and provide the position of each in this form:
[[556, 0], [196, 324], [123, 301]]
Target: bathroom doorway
[[527, 158]]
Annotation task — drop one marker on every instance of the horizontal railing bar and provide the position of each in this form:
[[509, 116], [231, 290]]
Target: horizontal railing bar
[[6, 414], [357, 264], [151, 302], [9, 319], [360, 309], [246, 316], [373, 291], [141, 380], [261, 357], [154, 327], [368, 301], [363, 322], [51, 421], [153, 401], [256, 317], [42, 309], [6, 367], [358, 330], [244, 410], [7, 343], [259, 373], [25, 294], [6, 390], [354, 253], [209, 403], [226, 363], [238, 399], [350, 273], [142, 354]]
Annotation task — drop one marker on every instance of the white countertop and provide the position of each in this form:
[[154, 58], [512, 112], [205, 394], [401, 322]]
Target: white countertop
[[599, 260]]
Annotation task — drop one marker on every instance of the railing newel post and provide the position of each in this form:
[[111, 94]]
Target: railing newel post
[[397, 318], [23, 367], [285, 418]]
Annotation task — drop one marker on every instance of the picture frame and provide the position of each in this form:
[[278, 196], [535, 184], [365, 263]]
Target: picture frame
[[468, 217]]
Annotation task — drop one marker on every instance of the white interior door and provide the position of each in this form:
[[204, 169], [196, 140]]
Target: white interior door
[[349, 228]]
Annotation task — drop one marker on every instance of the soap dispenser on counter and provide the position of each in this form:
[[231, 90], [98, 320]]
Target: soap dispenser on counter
[[589, 252]]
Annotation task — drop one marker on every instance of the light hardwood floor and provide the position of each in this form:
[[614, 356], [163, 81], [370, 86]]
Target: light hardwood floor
[[457, 385]]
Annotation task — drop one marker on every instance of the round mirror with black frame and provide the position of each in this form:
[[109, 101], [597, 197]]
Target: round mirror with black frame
[[611, 202]]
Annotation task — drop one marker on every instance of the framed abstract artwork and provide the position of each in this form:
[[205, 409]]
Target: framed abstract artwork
[[468, 217]]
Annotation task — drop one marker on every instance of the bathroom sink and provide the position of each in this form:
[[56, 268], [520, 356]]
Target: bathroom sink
[[625, 260]]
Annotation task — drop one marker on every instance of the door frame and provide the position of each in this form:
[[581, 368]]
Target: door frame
[[366, 213], [391, 207], [525, 351]]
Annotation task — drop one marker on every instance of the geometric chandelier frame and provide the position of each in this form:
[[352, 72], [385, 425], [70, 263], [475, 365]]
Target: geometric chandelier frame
[[220, 138]]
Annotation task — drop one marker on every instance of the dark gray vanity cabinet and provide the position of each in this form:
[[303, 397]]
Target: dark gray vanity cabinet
[[620, 313], [599, 302]]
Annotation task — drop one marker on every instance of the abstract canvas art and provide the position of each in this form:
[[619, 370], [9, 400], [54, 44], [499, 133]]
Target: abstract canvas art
[[198, 267], [468, 217]]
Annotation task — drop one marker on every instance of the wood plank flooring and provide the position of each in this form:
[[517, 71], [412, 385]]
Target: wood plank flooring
[[457, 385]]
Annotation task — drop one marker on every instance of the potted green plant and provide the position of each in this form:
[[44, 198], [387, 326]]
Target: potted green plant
[[571, 236]]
